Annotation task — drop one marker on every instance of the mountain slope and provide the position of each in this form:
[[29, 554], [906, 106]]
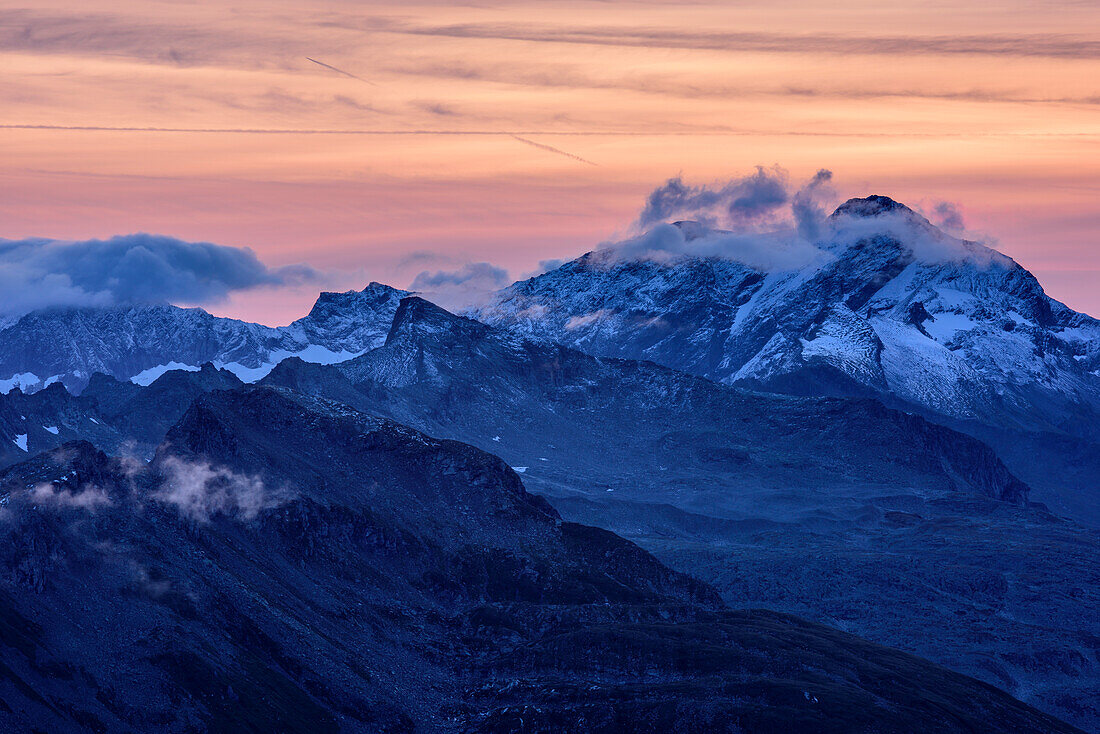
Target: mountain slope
[[142, 342], [891, 308], [288, 564], [830, 508]]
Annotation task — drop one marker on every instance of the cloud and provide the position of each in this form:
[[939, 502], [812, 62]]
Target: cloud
[[1019, 45], [587, 319], [758, 220], [468, 273], [929, 244], [138, 268], [768, 251], [421, 258], [277, 100], [466, 286], [436, 108], [806, 206], [170, 43], [691, 86], [201, 491], [751, 201], [946, 215], [545, 266], [88, 498]]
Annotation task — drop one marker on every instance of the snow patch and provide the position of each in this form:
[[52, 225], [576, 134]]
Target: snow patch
[[944, 325], [22, 380], [246, 374], [21, 441], [314, 354], [51, 429], [146, 377]]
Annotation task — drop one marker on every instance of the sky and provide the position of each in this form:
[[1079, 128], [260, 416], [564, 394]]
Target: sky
[[350, 141]]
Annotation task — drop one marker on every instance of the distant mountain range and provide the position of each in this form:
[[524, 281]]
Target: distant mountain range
[[140, 343], [888, 307], [897, 436], [893, 307]]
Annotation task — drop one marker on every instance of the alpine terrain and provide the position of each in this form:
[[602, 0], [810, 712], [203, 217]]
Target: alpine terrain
[[697, 481]]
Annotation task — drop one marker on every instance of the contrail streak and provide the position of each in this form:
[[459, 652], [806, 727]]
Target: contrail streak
[[341, 71], [552, 149], [704, 132]]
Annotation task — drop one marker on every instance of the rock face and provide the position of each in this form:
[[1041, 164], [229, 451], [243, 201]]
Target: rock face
[[891, 308], [830, 508], [286, 563], [142, 342]]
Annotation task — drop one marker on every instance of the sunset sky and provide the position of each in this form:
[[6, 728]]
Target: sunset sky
[[375, 140]]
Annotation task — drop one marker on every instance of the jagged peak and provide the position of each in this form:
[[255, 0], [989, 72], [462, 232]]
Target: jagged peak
[[374, 285], [373, 290], [207, 374], [871, 206], [417, 316]]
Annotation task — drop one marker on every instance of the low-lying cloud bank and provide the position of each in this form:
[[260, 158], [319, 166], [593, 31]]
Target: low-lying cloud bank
[[193, 487], [136, 268]]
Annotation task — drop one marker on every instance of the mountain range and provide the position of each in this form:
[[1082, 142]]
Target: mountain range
[[891, 435]]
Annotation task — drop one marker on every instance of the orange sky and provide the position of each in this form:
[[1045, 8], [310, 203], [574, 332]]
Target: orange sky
[[406, 145]]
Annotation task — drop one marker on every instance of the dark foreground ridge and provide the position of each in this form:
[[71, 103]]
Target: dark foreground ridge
[[286, 563]]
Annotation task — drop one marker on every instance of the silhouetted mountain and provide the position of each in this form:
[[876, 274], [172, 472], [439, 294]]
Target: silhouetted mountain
[[288, 564]]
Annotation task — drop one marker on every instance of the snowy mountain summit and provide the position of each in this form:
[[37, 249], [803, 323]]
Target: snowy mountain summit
[[880, 303]]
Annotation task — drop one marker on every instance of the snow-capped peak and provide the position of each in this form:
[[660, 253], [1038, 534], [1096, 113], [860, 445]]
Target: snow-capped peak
[[891, 306]]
